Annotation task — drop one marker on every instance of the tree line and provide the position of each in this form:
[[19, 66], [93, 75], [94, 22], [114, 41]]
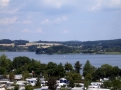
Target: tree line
[[57, 49], [24, 65], [99, 47], [16, 42]]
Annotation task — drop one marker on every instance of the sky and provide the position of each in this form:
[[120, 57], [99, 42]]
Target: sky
[[60, 20]]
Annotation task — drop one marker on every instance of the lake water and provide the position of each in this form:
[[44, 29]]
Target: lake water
[[95, 60]]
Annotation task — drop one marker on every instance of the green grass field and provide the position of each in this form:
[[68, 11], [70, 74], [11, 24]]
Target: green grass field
[[112, 52]]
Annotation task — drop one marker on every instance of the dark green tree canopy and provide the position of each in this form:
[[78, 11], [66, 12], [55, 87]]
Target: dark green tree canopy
[[20, 61], [51, 69], [88, 68], [77, 67], [68, 66]]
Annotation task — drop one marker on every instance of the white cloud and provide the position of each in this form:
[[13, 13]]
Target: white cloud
[[57, 20], [65, 31], [8, 20], [27, 22], [104, 4], [13, 20], [46, 21], [4, 2], [27, 31], [39, 30], [13, 11], [55, 3]]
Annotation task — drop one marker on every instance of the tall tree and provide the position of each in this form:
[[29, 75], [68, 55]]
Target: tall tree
[[51, 69], [68, 67], [38, 84], [106, 70], [52, 83], [20, 61], [77, 67], [60, 70], [5, 64], [88, 68]]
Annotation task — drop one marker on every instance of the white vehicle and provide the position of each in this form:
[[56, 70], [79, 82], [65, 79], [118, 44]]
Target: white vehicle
[[21, 83], [31, 81], [62, 82]]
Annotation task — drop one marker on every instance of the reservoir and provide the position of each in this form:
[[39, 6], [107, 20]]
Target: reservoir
[[95, 59]]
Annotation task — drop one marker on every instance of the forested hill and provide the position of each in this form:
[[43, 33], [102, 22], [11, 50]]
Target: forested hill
[[94, 46], [115, 42], [79, 46], [17, 42]]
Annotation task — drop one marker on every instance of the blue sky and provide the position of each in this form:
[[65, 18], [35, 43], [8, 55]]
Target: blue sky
[[60, 20]]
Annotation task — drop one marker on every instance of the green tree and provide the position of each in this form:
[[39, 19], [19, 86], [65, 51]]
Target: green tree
[[68, 67], [28, 87], [114, 72], [25, 74], [86, 83], [35, 66], [60, 70], [107, 84], [38, 84], [98, 74], [71, 83], [116, 84], [52, 83], [11, 76], [5, 64], [52, 69], [16, 87], [20, 61], [106, 70], [2, 70], [76, 77], [77, 67], [88, 77], [88, 68]]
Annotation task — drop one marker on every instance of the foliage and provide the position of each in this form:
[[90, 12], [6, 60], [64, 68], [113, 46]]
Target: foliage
[[32, 48], [38, 84], [60, 70], [20, 42], [20, 61], [76, 77], [16, 87], [28, 87], [52, 83], [68, 67], [24, 65], [107, 84], [77, 67], [88, 77], [55, 49], [11, 76], [99, 47], [88, 69], [86, 83], [35, 66], [116, 84], [71, 83], [25, 74], [5, 64], [52, 69]]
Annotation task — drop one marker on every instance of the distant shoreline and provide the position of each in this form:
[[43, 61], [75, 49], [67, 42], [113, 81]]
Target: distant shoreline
[[105, 53]]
